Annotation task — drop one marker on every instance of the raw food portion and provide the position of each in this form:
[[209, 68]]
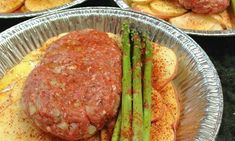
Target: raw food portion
[[205, 6], [162, 130], [18, 126], [143, 8], [39, 5], [224, 19], [7, 6], [171, 101], [158, 106], [164, 66], [196, 22], [73, 93], [166, 9], [141, 1]]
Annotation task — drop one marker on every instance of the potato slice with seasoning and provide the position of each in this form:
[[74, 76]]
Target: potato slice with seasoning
[[38, 5], [164, 66], [96, 137], [166, 9], [7, 6], [170, 99], [141, 1], [224, 19], [104, 135], [24, 9], [196, 22], [143, 8], [233, 22], [158, 107], [163, 130]]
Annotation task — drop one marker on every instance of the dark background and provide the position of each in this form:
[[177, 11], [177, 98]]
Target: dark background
[[221, 52]]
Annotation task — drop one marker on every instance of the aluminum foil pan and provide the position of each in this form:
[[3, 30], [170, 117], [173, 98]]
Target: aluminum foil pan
[[197, 82], [34, 14], [122, 4]]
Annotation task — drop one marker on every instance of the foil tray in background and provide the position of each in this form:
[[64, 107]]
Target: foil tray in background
[[222, 33], [37, 13], [197, 82]]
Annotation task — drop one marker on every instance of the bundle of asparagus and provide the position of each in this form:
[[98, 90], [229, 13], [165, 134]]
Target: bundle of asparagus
[[133, 123]]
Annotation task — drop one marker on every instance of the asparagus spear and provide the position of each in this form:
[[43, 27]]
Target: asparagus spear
[[126, 86], [147, 89], [137, 123], [117, 128], [233, 6]]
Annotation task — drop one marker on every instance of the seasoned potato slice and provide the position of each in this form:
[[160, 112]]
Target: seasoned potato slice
[[96, 137], [104, 135], [170, 99], [38, 5], [7, 6], [157, 107], [233, 22], [141, 1], [143, 8], [224, 19], [23, 9], [14, 123], [164, 66], [196, 22], [162, 130], [166, 9]]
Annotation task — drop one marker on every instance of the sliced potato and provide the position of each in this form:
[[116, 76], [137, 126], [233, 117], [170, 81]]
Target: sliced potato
[[141, 1], [143, 8], [166, 9], [116, 38], [164, 66], [196, 22], [105, 135], [170, 99], [157, 107], [162, 130], [232, 17], [233, 22], [50, 41], [7, 6], [96, 137], [24, 9], [224, 19], [14, 123], [38, 5]]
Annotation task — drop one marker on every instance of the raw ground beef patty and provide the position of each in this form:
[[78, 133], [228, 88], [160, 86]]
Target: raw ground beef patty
[[76, 88], [205, 6]]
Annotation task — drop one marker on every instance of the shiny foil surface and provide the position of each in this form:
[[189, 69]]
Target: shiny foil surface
[[122, 4], [197, 81]]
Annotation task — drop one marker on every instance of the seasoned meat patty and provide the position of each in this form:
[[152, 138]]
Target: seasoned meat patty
[[205, 6], [76, 88]]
